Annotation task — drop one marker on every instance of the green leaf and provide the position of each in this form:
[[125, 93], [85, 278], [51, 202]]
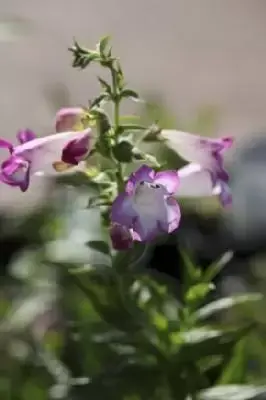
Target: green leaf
[[103, 125], [103, 44], [234, 392], [198, 292], [160, 321], [142, 156], [123, 151], [191, 273], [128, 93], [202, 342], [226, 304], [105, 85], [119, 75], [235, 370], [82, 58], [102, 120], [214, 269], [152, 134], [99, 245], [99, 99]]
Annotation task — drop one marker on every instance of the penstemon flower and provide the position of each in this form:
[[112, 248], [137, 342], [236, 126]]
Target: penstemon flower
[[121, 236], [43, 156], [206, 172], [147, 207], [68, 119]]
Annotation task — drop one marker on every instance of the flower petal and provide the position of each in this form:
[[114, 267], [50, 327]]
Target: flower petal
[[67, 118], [168, 179], [122, 211], [121, 237], [157, 212], [193, 148], [144, 173], [25, 135], [222, 189], [76, 150], [194, 181], [146, 228], [5, 144], [15, 171], [169, 222], [43, 152]]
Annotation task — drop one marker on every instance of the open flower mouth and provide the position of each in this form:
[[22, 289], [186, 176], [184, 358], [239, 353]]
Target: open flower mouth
[[15, 172], [144, 208]]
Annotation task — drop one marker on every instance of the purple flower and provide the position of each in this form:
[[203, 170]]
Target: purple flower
[[206, 158], [147, 207], [41, 156], [121, 237]]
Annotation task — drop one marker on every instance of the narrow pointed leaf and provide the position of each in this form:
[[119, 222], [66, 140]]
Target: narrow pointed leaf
[[226, 304], [234, 392]]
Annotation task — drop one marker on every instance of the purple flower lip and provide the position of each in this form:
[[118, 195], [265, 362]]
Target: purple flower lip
[[146, 208], [15, 172], [76, 150], [25, 135], [121, 237]]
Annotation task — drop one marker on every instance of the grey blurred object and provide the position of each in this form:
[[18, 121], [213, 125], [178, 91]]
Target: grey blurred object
[[247, 219]]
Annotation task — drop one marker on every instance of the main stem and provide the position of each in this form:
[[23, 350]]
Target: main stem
[[119, 172]]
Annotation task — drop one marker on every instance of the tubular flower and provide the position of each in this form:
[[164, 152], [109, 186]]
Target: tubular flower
[[207, 163], [147, 207], [41, 156], [121, 236], [68, 118]]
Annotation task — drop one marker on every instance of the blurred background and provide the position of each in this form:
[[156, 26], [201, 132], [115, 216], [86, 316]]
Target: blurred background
[[201, 66]]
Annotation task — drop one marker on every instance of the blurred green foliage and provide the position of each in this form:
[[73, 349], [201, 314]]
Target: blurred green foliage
[[92, 324]]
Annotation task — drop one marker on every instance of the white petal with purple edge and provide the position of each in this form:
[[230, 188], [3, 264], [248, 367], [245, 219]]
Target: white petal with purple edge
[[168, 179], [43, 152], [188, 146], [194, 148], [123, 211], [156, 213], [194, 181], [173, 215], [144, 173]]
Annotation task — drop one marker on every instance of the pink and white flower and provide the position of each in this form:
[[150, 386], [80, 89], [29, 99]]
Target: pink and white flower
[[205, 175], [67, 118], [46, 155]]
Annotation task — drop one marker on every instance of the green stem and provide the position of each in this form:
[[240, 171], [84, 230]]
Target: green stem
[[119, 172]]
